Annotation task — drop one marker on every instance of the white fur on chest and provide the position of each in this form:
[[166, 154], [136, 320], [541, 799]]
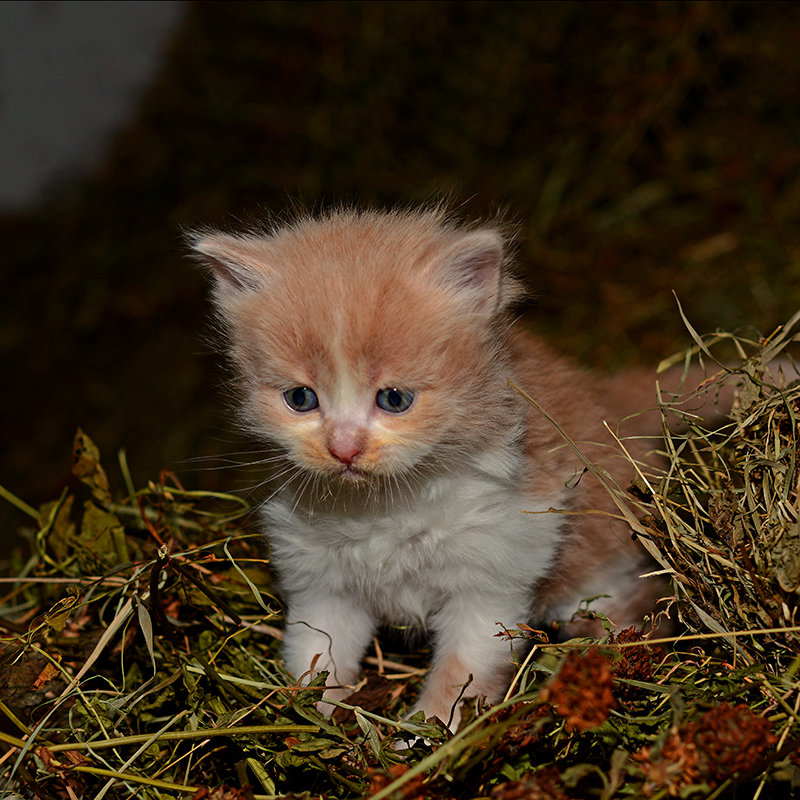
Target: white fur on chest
[[460, 533]]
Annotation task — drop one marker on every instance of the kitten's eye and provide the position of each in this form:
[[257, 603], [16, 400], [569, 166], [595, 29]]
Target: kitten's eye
[[394, 400], [301, 398]]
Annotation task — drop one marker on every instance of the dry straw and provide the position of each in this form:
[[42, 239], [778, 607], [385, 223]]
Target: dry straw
[[140, 643], [725, 510]]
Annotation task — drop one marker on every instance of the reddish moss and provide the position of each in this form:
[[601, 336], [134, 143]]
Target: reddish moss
[[635, 663], [582, 691], [544, 784], [725, 741], [524, 731], [414, 789]]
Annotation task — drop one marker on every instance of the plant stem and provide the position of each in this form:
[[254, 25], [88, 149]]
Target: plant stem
[[178, 735]]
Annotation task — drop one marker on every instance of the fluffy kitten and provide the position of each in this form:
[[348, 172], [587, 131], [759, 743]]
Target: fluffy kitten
[[375, 351]]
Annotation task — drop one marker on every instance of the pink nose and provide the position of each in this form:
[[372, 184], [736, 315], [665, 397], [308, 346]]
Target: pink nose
[[346, 452]]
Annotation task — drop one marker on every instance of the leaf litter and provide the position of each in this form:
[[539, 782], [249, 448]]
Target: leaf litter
[[140, 643]]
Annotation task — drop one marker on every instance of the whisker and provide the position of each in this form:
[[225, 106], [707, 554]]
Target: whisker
[[291, 472], [306, 481]]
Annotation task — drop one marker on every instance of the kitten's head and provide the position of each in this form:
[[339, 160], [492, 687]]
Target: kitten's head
[[369, 344]]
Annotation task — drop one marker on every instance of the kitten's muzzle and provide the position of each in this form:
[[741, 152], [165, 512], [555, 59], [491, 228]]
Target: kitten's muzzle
[[353, 474], [345, 451], [345, 442]]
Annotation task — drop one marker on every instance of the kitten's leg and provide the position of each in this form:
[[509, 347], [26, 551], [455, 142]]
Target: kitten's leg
[[465, 644], [332, 627]]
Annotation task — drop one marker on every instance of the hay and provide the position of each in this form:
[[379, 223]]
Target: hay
[[140, 647], [724, 512]]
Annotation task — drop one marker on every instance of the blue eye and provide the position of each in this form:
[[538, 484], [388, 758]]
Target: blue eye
[[394, 400], [301, 398]]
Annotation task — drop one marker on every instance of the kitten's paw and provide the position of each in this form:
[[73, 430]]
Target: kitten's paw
[[337, 694], [439, 710]]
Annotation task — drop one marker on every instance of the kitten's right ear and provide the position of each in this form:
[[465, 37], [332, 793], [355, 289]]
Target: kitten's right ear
[[239, 263], [473, 264]]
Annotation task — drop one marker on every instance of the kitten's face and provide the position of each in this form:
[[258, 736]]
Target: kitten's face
[[367, 343]]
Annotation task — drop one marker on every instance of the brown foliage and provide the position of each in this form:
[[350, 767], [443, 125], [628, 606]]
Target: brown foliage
[[635, 663], [582, 690], [725, 741], [544, 784]]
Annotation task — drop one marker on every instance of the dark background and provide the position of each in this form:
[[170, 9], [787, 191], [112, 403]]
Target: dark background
[[640, 148]]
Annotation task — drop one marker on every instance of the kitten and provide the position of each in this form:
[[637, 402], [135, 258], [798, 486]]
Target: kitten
[[375, 351]]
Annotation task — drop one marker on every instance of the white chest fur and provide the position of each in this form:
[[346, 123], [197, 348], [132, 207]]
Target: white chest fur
[[459, 533]]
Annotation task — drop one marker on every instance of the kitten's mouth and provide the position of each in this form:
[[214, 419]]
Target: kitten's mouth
[[350, 473]]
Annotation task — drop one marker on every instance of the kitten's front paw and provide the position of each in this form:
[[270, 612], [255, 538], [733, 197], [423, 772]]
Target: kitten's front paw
[[337, 694], [438, 709]]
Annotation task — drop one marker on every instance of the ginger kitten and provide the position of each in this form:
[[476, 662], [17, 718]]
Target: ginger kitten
[[375, 351]]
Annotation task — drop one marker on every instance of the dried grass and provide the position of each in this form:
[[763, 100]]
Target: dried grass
[[140, 647]]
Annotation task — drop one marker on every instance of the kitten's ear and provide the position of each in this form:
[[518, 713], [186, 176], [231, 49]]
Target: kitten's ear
[[239, 263], [473, 265]]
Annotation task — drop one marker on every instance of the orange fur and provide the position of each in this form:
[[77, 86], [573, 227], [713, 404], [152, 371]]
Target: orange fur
[[414, 516]]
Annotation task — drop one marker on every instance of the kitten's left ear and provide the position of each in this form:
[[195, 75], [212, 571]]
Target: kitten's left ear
[[239, 263], [473, 266]]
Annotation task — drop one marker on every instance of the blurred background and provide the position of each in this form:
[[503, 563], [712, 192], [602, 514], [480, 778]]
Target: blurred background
[[640, 148]]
